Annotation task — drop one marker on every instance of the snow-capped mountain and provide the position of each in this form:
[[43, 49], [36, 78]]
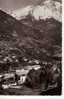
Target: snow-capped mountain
[[47, 9]]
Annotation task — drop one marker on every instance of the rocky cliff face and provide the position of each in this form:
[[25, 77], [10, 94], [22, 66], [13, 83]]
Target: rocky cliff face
[[42, 9]]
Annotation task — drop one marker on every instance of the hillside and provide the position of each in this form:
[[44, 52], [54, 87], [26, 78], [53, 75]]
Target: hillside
[[36, 41]]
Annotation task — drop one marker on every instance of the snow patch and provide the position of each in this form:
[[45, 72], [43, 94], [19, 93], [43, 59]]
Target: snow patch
[[21, 13]]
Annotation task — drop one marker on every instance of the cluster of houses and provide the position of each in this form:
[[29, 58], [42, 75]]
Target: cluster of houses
[[16, 77]]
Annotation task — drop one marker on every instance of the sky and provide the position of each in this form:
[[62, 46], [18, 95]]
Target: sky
[[15, 4], [9, 5]]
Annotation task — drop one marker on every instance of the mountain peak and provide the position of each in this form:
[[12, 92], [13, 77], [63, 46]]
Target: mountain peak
[[42, 10]]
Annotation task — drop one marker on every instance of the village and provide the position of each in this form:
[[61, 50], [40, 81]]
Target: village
[[16, 78]]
